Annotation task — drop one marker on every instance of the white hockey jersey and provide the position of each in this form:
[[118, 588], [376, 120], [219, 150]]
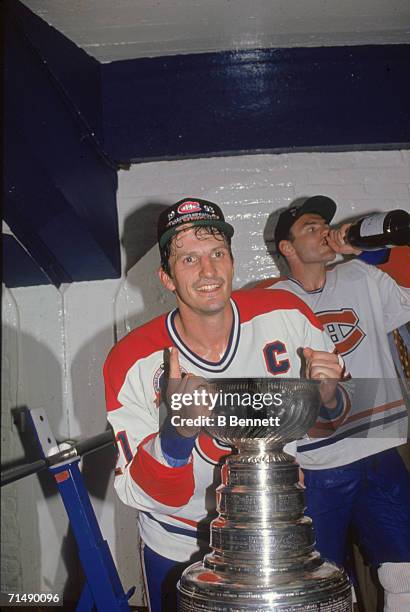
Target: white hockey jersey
[[358, 306], [174, 502]]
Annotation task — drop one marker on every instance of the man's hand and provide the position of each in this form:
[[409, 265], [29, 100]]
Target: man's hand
[[185, 383], [327, 366], [336, 241]]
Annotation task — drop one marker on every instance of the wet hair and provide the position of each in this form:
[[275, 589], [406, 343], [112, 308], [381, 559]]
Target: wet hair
[[199, 230]]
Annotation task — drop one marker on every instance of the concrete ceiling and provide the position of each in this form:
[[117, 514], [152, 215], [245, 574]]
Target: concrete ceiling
[[110, 30]]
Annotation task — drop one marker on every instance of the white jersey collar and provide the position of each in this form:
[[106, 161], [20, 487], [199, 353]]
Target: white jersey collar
[[203, 364], [302, 287]]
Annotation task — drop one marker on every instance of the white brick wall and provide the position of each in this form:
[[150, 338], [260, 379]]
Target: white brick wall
[[250, 187], [63, 336]]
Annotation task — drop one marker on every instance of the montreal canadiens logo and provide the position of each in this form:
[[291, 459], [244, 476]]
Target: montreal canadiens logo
[[343, 328], [189, 207]]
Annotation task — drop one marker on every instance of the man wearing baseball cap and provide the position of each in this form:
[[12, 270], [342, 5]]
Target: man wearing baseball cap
[[169, 472], [319, 205], [354, 478]]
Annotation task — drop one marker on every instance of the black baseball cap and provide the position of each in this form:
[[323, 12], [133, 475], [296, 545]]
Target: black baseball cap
[[193, 211], [318, 204]]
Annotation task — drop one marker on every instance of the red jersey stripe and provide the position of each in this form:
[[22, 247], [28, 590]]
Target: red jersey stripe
[[139, 343], [254, 302], [185, 520], [171, 486]]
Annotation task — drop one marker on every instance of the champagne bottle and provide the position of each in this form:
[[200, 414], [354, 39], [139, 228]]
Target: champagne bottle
[[379, 230]]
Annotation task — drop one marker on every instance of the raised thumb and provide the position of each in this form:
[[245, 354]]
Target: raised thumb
[[307, 353]]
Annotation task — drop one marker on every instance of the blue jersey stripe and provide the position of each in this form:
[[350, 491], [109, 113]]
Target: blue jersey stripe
[[202, 531], [350, 432]]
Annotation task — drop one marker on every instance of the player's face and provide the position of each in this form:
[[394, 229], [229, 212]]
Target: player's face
[[309, 239], [201, 271]]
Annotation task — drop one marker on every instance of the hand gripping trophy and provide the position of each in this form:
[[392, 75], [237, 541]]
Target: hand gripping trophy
[[263, 557]]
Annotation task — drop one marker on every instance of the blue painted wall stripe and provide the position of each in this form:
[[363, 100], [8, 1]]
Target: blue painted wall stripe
[[262, 100]]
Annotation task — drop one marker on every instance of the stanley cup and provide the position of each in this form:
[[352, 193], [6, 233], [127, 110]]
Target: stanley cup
[[263, 557]]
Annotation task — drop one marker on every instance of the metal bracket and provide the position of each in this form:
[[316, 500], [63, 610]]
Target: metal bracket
[[42, 429]]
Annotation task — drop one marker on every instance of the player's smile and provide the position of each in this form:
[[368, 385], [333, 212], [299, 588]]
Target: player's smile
[[210, 288]]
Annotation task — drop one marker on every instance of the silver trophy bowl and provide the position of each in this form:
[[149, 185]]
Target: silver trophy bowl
[[263, 557], [296, 413]]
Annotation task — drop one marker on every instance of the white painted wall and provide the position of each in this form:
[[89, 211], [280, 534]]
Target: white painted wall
[[55, 342], [112, 30]]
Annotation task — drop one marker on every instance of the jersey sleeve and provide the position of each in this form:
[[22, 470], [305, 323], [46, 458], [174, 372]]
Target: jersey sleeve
[[394, 298], [143, 479], [398, 265], [375, 258]]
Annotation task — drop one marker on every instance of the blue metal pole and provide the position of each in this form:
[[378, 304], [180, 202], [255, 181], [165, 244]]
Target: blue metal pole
[[102, 577]]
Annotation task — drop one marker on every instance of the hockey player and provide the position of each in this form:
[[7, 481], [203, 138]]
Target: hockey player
[[360, 481], [169, 474]]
